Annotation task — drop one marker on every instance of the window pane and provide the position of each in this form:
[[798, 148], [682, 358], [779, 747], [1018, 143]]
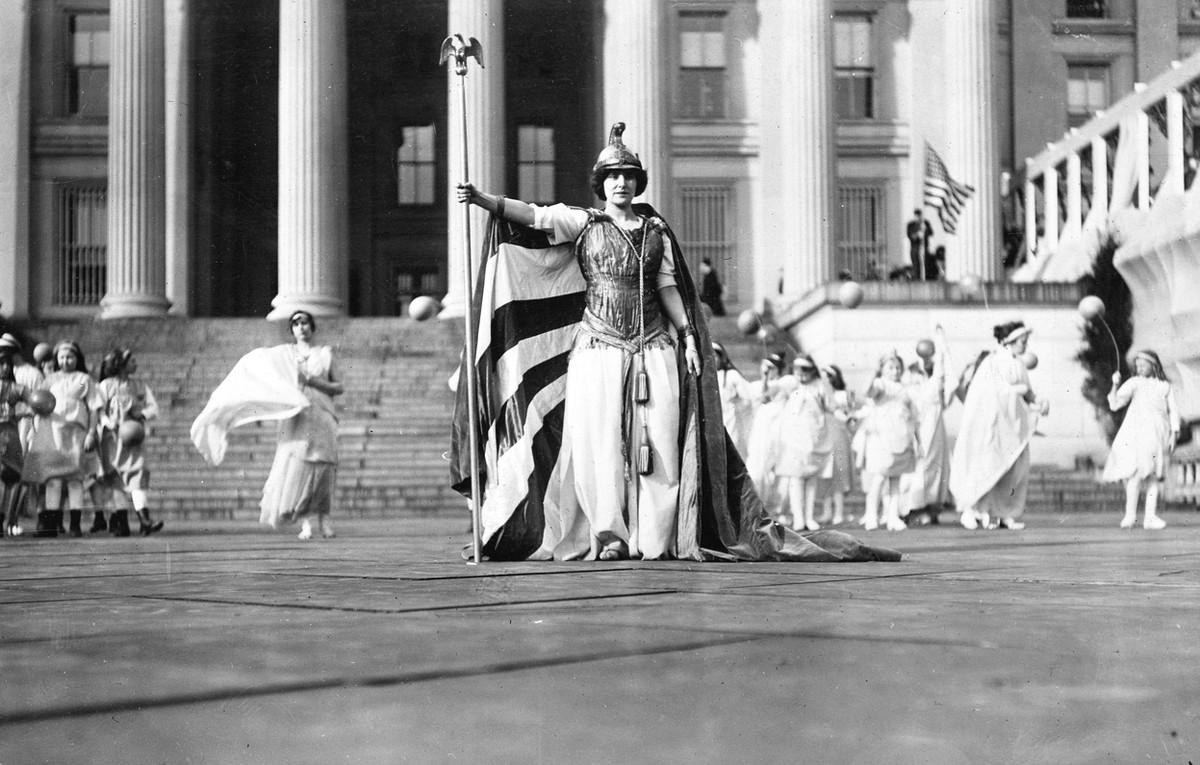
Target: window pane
[[852, 42], [425, 184], [545, 145], [526, 143], [425, 143], [545, 182], [691, 49], [526, 180], [90, 98]]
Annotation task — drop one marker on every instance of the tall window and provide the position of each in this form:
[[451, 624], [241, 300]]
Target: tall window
[[1087, 92], [87, 65], [854, 67], [81, 233], [1086, 9], [706, 226], [535, 163], [702, 65], [416, 166], [862, 232]]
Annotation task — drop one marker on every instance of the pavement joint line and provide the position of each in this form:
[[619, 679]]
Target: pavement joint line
[[417, 610], [402, 678]]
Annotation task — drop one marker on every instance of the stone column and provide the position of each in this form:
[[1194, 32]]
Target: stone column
[[178, 150], [136, 163], [14, 158], [797, 146], [486, 130], [972, 155], [635, 76], [313, 156]]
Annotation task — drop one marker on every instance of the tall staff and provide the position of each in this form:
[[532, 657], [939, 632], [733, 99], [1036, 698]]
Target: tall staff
[[454, 47]]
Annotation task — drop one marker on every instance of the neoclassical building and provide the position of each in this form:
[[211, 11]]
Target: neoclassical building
[[247, 157]]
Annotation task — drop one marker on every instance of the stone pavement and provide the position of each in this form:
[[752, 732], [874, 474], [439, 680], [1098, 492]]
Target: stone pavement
[[220, 642]]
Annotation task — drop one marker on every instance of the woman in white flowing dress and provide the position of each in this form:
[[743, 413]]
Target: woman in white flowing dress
[[989, 471], [301, 483], [1143, 445]]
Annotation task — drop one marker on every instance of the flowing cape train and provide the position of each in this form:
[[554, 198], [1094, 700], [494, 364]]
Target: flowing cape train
[[259, 387], [528, 302]]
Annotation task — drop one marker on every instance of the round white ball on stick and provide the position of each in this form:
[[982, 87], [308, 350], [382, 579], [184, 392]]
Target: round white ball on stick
[[1091, 308], [850, 294], [1029, 359], [423, 308], [925, 348], [971, 285], [749, 322]]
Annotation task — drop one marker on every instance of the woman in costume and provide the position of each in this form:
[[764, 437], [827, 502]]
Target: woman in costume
[[632, 325], [630, 457], [989, 470], [1143, 445], [294, 384], [927, 489]]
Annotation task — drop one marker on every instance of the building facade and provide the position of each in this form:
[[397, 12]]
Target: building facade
[[222, 158]]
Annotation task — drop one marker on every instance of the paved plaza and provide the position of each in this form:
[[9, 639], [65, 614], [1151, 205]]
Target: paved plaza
[[223, 642]]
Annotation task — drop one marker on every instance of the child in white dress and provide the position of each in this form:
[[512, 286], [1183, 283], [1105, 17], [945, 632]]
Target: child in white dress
[[1143, 445], [889, 444], [804, 446]]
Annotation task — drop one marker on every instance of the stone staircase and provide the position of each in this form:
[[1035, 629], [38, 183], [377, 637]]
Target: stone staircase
[[395, 415]]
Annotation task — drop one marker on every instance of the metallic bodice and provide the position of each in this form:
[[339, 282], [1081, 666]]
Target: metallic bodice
[[610, 264]]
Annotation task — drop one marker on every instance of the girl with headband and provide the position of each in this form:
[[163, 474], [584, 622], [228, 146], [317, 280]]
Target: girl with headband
[[1144, 442]]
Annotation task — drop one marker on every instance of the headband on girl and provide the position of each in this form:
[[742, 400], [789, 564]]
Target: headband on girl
[[1016, 334]]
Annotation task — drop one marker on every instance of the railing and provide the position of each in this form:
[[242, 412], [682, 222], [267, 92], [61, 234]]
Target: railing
[[1079, 164], [786, 314]]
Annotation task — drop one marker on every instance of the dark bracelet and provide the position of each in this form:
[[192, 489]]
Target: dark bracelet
[[685, 332], [500, 205]]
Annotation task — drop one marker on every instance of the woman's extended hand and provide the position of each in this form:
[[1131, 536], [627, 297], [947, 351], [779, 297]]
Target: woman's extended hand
[[691, 355]]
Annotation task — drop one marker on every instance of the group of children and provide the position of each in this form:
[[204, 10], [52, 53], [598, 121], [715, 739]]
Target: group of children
[[805, 436], [65, 432]]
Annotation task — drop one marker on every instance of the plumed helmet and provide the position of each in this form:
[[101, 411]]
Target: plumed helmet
[[616, 156]]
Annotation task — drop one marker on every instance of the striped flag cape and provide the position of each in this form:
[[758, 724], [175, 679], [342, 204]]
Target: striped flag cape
[[528, 301], [942, 191]]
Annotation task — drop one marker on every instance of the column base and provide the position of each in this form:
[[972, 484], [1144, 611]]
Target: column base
[[283, 306], [129, 306]]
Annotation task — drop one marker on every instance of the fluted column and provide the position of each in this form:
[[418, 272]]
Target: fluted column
[[313, 208], [178, 24], [486, 130], [797, 146], [636, 93], [14, 158], [972, 151], [136, 161]]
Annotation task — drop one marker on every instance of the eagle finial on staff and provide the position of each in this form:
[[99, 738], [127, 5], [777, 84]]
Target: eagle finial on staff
[[461, 50]]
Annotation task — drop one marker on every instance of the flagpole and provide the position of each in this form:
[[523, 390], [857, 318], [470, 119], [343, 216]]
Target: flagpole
[[455, 47]]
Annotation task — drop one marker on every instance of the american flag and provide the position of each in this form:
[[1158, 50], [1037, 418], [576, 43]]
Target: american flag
[[943, 192]]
